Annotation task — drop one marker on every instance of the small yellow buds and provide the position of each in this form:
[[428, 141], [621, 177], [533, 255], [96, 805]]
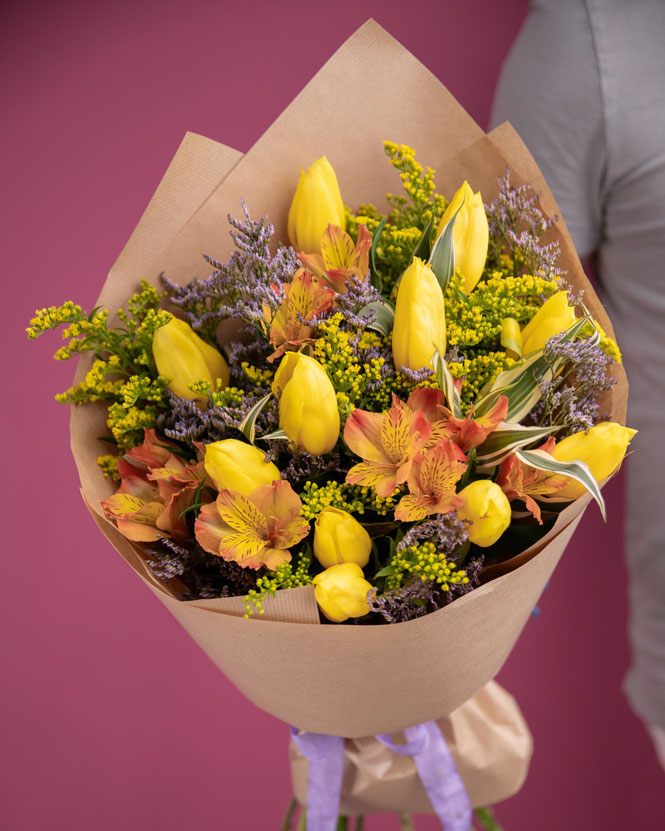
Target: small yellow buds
[[602, 448], [488, 510], [339, 538], [308, 411], [420, 318], [470, 234], [237, 466], [317, 202], [341, 592], [183, 358], [554, 316]]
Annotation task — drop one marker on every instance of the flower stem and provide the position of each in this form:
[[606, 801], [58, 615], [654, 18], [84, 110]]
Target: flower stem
[[342, 823], [302, 822], [360, 823], [406, 822], [487, 820], [287, 822]]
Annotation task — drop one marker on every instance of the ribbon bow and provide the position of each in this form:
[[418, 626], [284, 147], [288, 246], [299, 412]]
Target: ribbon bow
[[434, 763]]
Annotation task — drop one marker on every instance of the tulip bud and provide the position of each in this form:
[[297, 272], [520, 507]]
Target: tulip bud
[[237, 466], [554, 316], [487, 508], [420, 318], [339, 538], [316, 203], [602, 448], [184, 358], [341, 592], [470, 234], [308, 411]]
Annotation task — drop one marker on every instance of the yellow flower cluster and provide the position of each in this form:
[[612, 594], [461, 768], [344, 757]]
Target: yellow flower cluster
[[284, 577], [259, 377], [423, 561], [355, 499], [418, 185], [54, 316], [96, 385], [477, 371], [109, 466], [476, 318], [220, 396], [335, 351]]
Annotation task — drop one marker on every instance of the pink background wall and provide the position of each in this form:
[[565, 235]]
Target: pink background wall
[[112, 717]]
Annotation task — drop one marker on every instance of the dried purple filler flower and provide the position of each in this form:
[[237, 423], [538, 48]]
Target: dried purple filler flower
[[240, 288]]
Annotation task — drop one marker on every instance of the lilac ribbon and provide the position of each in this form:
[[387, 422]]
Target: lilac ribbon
[[434, 763], [324, 777], [438, 774]]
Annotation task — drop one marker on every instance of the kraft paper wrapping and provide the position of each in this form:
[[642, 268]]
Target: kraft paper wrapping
[[487, 737], [286, 662]]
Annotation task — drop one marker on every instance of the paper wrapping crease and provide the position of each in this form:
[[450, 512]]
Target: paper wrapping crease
[[291, 666]]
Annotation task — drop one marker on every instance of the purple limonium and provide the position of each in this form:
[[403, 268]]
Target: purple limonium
[[446, 531], [242, 287], [516, 221], [572, 398]]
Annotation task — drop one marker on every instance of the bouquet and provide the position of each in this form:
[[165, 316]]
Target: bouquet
[[381, 412]]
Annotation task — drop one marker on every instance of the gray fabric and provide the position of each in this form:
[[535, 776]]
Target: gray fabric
[[584, 86]]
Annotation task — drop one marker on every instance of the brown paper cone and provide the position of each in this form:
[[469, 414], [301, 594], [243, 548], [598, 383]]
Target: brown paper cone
[[286, 662], [487, 737]]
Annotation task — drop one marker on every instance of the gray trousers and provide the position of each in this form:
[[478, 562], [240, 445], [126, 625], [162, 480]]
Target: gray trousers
[[584, 86]]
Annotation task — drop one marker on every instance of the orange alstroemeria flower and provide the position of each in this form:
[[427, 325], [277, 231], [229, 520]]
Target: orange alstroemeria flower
[[432, 481], [339, 258], [156, 488], [430, 401], [388, 443], [253, 530], [304, 299], [519, 481], [471, 432]]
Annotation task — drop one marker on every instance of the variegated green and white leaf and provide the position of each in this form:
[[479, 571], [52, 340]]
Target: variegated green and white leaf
[[577, 470], [447, 384], [248, 424], [276, 434], [522, 384], [385, 316], [442, 258], [505, 439]]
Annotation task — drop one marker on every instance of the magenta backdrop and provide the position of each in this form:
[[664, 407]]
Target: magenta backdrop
[[113, 718]]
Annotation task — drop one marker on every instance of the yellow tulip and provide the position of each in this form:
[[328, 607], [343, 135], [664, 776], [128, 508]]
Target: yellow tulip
[[317, 202], [602, 448], [554, 316], [308, 411], [341, 592], [183, 358], [420, 318], [237, 466], [470, 234], [339, 538], [487, 508]]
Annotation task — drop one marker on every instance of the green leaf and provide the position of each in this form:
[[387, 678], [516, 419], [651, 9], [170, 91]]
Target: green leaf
[[442, 258], [505, 439], [424, 247], [447, 384], [385, 571], [577, 470], [385, 316], [375, 277], [248, 425]]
